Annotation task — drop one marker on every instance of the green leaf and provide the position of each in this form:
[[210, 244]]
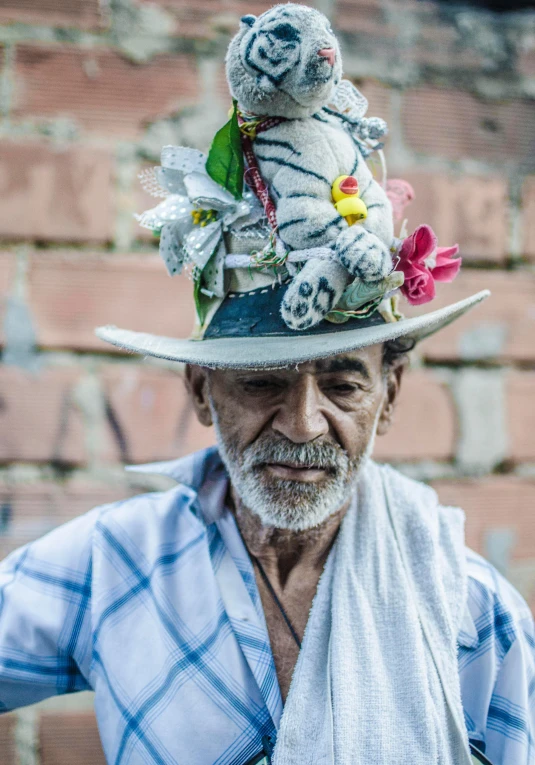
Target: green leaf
[[225, 158], [200, 301]]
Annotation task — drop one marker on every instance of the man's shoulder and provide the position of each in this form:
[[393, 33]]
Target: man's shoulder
[[492, 584], [156, 508], [498, 611], [155, 514], [149, 505], [145, 523], [143, 520]]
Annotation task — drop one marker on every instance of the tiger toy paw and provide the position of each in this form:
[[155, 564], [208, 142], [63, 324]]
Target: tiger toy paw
[[363, 254], [313, 293]]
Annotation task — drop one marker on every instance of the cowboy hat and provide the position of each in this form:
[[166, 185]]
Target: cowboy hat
[[245, 334], [262, 301]]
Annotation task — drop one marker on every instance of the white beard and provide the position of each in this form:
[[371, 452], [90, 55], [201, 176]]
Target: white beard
[[287, 504]]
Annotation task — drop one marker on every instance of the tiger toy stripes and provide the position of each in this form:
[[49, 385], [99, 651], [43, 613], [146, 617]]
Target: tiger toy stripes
[[287, 63]]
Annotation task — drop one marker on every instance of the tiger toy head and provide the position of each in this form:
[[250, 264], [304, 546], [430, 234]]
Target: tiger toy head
[[284, 63]]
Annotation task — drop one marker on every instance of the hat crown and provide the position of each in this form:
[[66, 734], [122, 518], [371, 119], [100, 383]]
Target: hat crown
[[283, 227]]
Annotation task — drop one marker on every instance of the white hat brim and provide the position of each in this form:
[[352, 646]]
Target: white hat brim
[[282, 351]]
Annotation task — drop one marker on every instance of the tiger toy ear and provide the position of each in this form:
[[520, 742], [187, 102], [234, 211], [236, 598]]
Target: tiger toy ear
[[248, 20]]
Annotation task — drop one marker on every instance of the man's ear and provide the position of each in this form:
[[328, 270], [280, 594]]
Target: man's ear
[[392, 386], [197, 385]]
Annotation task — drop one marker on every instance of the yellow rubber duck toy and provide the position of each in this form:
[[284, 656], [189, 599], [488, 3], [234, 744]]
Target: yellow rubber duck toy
[[345, 194]]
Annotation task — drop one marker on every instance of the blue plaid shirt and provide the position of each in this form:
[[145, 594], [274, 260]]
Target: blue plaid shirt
[[152, 603]]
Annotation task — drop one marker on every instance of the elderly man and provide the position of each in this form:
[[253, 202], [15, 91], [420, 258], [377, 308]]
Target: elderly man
[[289, 601], [185, 611]]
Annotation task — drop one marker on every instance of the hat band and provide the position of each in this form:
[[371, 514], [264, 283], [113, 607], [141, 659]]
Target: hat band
[[257, 314]]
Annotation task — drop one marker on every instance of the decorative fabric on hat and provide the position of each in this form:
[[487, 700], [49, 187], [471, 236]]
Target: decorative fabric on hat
[[286, 227]]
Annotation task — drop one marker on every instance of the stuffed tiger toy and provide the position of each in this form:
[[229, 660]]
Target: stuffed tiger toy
[[287, 63]]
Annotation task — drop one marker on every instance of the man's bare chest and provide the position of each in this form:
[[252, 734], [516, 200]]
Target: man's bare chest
[[296, 602]]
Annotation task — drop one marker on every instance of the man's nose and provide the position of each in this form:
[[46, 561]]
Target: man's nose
[[300, 417], [329, 54]]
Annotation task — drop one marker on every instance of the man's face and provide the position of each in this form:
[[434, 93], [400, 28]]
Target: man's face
[[294, 439]]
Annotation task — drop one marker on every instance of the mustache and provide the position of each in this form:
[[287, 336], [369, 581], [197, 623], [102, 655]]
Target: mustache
[[324, 453]]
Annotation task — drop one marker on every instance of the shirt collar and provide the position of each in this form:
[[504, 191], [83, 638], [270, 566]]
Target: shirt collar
[[190, 470], [202, 472]]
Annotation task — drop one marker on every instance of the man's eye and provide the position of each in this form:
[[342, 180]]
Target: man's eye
[[342, 388], [259, 384]]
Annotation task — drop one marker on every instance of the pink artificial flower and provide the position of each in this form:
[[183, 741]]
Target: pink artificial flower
[[446, 264], [423, 263]]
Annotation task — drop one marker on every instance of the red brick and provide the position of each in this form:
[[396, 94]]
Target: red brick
[[72, 293], [59, 195], [440, 54], [521, 415], [378, 98], [8, 754], [432, 42], [352, 16], [373, 41], [367, 28], [456, 125], [100, 89], [438, 34], [27, 511], [54, 503], [469, 210], [494, 503], [528, 218], [63, 737], [501, 328], [438, 45], [204, 18], [85, 14], [154, 413], [38, 418], [424, 424]]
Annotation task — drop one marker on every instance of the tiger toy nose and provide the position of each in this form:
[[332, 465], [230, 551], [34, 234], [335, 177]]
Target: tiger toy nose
[[329, 54]]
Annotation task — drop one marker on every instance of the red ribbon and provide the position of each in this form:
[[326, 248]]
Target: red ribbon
[[252, 173]]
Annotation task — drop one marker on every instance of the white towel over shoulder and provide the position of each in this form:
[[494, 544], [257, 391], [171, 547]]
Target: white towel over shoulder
[[377, 681]]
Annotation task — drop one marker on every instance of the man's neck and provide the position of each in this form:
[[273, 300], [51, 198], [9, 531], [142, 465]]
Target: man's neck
[[282, 550]]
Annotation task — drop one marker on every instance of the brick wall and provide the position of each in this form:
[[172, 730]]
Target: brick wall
[[88, 95]]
